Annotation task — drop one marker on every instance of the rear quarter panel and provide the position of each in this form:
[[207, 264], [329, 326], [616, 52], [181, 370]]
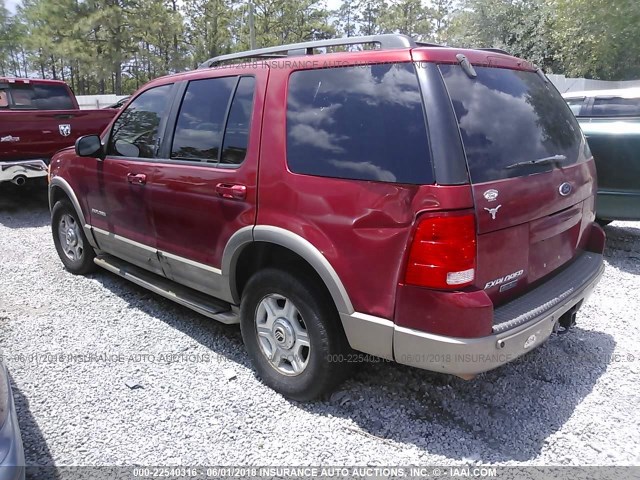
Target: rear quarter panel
[[361, 227]]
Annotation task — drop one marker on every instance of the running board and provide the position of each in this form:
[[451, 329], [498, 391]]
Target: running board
[[197, 301]]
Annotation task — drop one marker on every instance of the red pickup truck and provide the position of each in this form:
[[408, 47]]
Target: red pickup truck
[[38, 118]]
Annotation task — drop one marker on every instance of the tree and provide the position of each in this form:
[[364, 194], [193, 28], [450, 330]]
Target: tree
[[208, 28], [12, 52], [521, 27], [117, 45], [347, 18], [409, 17], [441, 11], [371, 16], [598, 38]]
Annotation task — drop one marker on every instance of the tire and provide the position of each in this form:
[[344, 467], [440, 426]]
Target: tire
[[602, 222], [290, 311], [71, 243]]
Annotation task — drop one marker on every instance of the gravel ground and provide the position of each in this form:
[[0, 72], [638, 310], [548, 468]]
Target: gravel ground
[[573, 401]]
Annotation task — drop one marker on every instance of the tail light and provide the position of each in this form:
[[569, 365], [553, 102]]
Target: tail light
[[443, 252]]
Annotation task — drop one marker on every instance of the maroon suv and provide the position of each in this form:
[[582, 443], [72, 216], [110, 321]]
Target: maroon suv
[[429, 205]]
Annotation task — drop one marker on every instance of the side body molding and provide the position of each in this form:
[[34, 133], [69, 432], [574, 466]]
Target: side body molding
[[61, 183]]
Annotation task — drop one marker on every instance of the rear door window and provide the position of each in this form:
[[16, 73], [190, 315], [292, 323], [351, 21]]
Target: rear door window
[[364, 122], [200, 124], [510, 117], [214, 120], [236, 135], [615, 107]]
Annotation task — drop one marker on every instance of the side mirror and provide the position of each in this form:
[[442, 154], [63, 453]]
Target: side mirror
[[90, 146]]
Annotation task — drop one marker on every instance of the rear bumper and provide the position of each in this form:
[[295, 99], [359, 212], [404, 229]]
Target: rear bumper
[[520, 326], [22, 168]]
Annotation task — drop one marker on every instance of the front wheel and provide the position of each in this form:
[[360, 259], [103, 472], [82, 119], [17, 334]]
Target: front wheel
[[293, 334], [70, 241]]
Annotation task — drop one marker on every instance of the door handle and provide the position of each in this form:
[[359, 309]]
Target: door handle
[[232, 191], [137, 178]]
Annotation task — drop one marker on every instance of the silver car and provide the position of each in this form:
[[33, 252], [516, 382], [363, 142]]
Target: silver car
[[11, 451]]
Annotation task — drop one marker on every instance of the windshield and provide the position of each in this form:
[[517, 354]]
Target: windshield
[[511, 117]]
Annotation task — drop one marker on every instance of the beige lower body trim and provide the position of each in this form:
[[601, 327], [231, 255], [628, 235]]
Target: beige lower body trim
[[369, 334], [457, 356]]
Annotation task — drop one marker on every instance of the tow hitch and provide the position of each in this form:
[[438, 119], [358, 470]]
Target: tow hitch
[[567, 320]]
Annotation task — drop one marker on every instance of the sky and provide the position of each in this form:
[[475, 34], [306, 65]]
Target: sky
[[11, 5]]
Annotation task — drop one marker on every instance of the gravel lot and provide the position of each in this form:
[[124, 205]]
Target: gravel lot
[[574, 401]]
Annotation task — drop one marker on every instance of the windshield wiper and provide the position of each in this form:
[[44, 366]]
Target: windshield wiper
[[552, 159]]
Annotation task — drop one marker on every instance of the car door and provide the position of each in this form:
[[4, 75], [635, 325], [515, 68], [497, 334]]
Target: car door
[[205, 187], [120, 202]]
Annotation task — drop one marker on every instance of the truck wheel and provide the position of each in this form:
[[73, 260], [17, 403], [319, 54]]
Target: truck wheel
[[293, 334], [70, 241]]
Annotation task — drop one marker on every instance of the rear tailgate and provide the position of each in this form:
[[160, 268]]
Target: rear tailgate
[[530, 216]]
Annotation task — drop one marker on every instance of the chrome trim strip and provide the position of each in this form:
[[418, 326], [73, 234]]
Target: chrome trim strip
[[192, 263], [304, 248], [113, 236], [172, 256]]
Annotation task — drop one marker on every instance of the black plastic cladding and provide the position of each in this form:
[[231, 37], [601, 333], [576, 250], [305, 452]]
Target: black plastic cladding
[[447, 153]]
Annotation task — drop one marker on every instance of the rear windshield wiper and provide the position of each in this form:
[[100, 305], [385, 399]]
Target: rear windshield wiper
[[552, 159]]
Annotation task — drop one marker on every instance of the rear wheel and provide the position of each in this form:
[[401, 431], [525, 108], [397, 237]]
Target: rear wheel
[[70, 241], [293, 334]]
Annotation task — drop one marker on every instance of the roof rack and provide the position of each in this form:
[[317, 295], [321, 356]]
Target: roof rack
[[386, 42], [496, 50]]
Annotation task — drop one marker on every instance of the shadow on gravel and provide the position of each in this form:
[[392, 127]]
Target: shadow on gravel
[[202, 329], [502, 415], [36, 451], [24, 207], [623, 248]]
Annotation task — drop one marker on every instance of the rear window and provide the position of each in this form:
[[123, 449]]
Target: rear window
[[364, 122], [508, 117], [40, 97], [615, 107]]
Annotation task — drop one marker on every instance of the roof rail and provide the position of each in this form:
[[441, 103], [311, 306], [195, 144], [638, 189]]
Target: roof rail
[[495, 50], [386, 41]]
